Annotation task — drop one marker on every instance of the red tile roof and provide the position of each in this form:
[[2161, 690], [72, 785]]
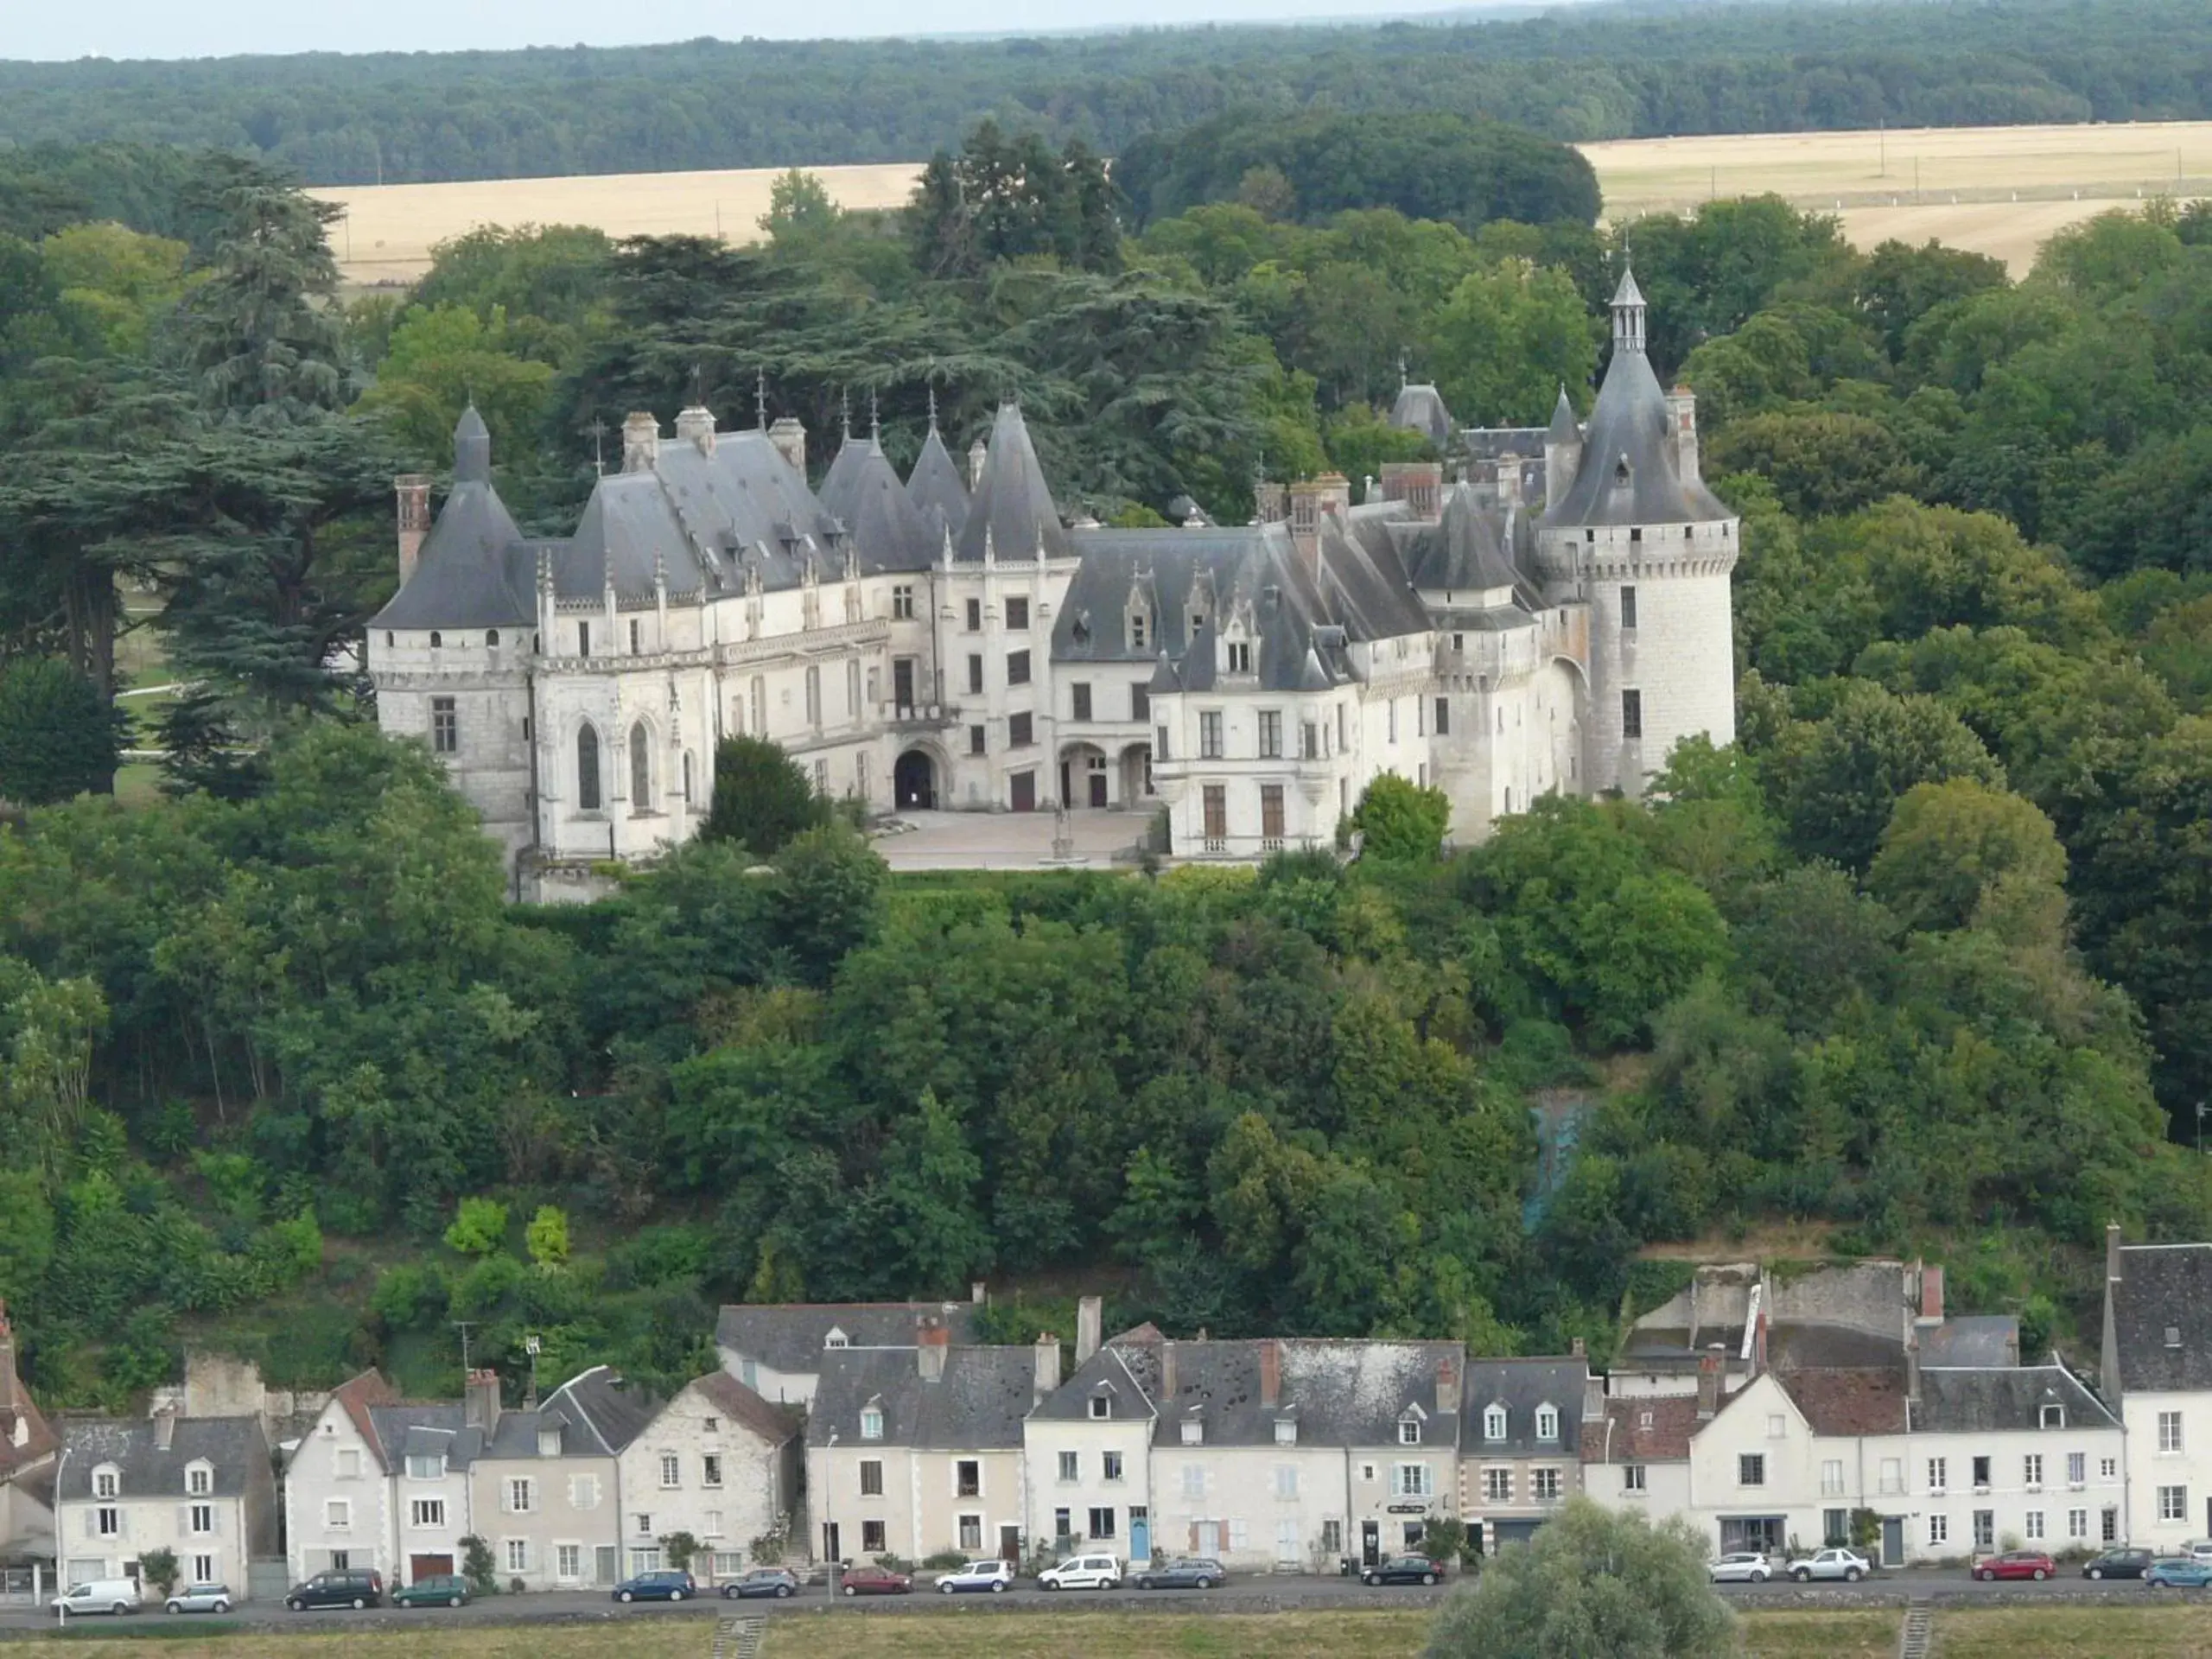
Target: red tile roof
[[357, 1394], [1838, 1402]]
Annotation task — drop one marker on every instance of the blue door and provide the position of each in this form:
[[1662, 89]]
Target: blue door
[[1139, 1539]]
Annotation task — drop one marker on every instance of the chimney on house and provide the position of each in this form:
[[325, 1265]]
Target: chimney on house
[[932, 1341], [1048, 1366], [1509, 482], [640, 441], [695, 426], [2110, 1383], [1448, 1387], [790, 439], [975, 1292], [164, 1427], [1271, 1373], [1089, 1322], [976, 456], [1931, 1296], [1912, 1372], [413, 490], [1419, 484], [480, 1401], [1593, 1398], [1271, 501], [1682, 415], [1710, 1365], [2112, 1252], [1166, 1400], [11, 1388]]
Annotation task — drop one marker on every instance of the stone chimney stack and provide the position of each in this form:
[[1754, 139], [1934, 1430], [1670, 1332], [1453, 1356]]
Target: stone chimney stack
[[1448, 1387], [11, 1387], [976, 456], [1270, 502], [790, 439], [1931, 1296], [1048, 1366], [1419, 484], [1089, 1321], [695, 426], [413, 490], [164, 1427], [1271, 1373], [1593, 1398], [1710, 1365], [480, 1401], [2112, 1252], [1682, 414], [932, 1342], [640, 441], [1166, 1400], [1912, 1374]]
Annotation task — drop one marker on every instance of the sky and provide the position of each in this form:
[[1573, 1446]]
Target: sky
[[198, 28]]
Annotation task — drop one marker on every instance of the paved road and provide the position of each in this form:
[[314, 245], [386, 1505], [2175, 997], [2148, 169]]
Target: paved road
[[1256, 1593]]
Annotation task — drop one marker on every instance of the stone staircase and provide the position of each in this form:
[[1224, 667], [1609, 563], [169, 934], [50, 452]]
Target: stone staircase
[[739, 1637], [1915, 1639]]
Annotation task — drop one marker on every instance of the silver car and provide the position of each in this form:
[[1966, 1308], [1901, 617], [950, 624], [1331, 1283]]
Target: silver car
[[1740, 1567], [200, 1598], [1834, 1563]]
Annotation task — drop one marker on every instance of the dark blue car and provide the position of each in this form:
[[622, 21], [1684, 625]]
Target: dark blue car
[[666, 1585]]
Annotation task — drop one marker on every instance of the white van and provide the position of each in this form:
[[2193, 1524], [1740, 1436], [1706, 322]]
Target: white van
[[1082, 1573], [117, 1596]]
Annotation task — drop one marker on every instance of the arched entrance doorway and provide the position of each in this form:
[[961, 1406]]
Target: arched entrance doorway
[[1136, 773], [914, 783], [1083, 782]]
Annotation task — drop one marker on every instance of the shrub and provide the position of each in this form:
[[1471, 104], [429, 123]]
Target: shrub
[[1399, 820], [480, 1228]]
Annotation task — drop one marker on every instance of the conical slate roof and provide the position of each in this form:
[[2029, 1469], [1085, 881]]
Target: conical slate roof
[[1419, 407], [1628, 293], [1563, 428], [473, 571], [834, 492], [1629, 473], [888, 531], [472, 448], [937, 488], [1013, 506]]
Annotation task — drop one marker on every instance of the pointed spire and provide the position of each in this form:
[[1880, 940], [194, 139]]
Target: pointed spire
[[1563, 428], [472, 448], [845, 412], [1627, 310]]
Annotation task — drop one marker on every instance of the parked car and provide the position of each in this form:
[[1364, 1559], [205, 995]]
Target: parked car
[[663, 1584], [1082, 1573], [778, 1581], [433, 1590], [1836, 1563], [342, 1586], [2118, 1564], [199, 1598], [114, 1596], [993, 1576], [2017, 1564], [1405, 1569], [2179, 1573], [873, 1580], [1740, 1567], [1185, 1573], [2201, 1552]]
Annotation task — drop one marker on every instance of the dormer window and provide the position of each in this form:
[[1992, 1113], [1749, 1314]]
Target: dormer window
[[1139, 625], [107, 1481], [835, 1339], [2173, 1335], [1494, 1422], [1286, 1431], [1194, 1432], [199, 1479], [872, 1423], [1410, 1430], [549, 1442], [1102, 1405], [1547, 1422], [2054, 1417], [1240, 657]]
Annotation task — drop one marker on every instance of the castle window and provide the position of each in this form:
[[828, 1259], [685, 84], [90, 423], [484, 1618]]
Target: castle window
[[814, 696], [436, 640], [1216, 802], [1270, 721], [1020, 734], [1240, 657], [586, 769], [1636, 535], [584, 639], [1628, 608], [1017, 615], [387, 638], [1136, 630], [641, 769], [902, 602], [1017, 667], [445, 726], [1140, 704], [976, 740], [492, 637], [974, 675], [975, 616], [637, 636], [1632, 714], [687, 777], [1081, 697], [1443, 717], [1209, 735]]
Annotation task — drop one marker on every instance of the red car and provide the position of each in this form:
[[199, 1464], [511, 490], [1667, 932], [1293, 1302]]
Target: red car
[[874, 1581], [2017, 1564]]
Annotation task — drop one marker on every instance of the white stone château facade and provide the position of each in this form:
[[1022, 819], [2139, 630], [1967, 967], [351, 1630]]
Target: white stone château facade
[[1554, 620]]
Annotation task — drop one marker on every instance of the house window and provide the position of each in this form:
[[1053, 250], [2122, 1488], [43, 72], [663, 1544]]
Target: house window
[[1102, 1405], [2108, 1468], [1270, 734], [645, 1523], [971, 1533], [1497, 1485], [1216, 800], [2077, 1468], [710, 1469], [1070, 1466], [872, 1424], [1209, 735], [2173, 1503], [2034, 1527], [427, 1511], [976, 744], [1063, 1525], [2170, 1430], [872, 1537], [568, 1561], [522, 1496], [1240, 657], [1985, 1528], [1750, 1469], [337, 1514], [1546, 1422], [1271, 812], [1017, 667], [1286, 1480], [1140, 704], [445, 726], [1632, 714], [341, 1560], [975, 616], [1938, 1474], [902, 602], [583, 1492], [1194, 1481], [1443, 717], [203, 1569], [108, 1521], [672, 1470], [1981, 1474], [1494, 1422], [1632, 1477], [1892, 1477], [2031, 1471], [1832, 1478], [1017, 615], [1628, 609], [425, 1466], [587, 768], [200, 1480], [519, 1551], [1411, 1480], [1102, 1523], [1193, 1431], [2077, 1524], [1835, 1527], [1286, 1431], [1080, 695], [968, 1478], [2111, 1524], [1332, 1537], [1019, 732], [974, 675], [203, 1517], [349, 1465], [1309, 741], [871, 1478], [1547, 1484], [1939, 1529], [1408, 1431], [1110, 1466], [2053, 1416]]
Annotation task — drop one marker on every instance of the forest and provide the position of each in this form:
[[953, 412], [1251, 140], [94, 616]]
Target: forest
[[1922, 963], [1582, 73]]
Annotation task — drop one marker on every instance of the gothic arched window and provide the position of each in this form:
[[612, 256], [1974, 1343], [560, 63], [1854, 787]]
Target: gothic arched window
[[687, 777], [587, 768], [641, 769]]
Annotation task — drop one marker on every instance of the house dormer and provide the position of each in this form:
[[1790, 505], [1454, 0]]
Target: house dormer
[[549, 1438], [1100, 1405], [1547, 1422], [107, 1481], [837, 1338], [1286, 1429], [1410, 1421], [1138, 624], [199, 1477], [872, 1420], [1493, 1421], [1194, 1426], [1238, 649], [1202, 603]]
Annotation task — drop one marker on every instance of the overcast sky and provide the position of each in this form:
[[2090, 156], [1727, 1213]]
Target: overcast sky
[[198, 28]]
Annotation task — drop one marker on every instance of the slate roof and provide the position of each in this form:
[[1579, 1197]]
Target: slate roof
[[1129, 1365], [976, 1406], [1654, 1428], [426, 1429], [228, 1445], [2164, 1287], [938, 488], [607, 1411], [887, 530], [1013, 505], [1975, 1339], [1628, 473], [772, 1423], [2002, 1399], [793, 1336], [1521, 1386], [1347, 1393], [1469, 548], [475, 570], [1419, 407]]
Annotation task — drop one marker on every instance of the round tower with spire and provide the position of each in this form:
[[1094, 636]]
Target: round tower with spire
[[1631, 535]]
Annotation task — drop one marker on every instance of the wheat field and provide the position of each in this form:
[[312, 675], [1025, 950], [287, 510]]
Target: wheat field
[[1996, 190]]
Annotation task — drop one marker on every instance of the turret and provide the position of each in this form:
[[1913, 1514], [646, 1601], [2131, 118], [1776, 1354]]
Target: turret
[[1628, 313], [1562, 451]]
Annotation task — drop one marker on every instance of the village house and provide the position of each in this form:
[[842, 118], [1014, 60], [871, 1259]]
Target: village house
[[717, 1462], [1520, 1444], [775, 1349], [338, 1494], [1087, 1443], [2157, 1374], [202, 1487], [28, 1450]]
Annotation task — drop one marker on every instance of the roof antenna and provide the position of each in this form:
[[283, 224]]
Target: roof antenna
[[760, 397]]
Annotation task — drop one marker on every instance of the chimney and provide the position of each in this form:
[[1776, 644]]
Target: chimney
[[11, 1389], [975, 1292], [2111, 1384], [1048, 1366], [695, 426], [1271, 1373], [480, 1401], [790, 439], [1912, 1372], [1448, 1387], [1710, 1364], [414, 491], [1271, 502], [164, 1427], [932, 1341], [640, 441], [1931, 1295], [1682, 415], [1509, 482], [1336, 494], [976, 456], [1166, 1400], [1593, 1398], [1419, 484], [1089, 1319], [2112, 1252]]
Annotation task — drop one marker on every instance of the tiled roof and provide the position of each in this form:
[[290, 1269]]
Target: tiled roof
[[1848, 1401], [1343, 1393], [793, 1337], [2162, 1289], [229, 1445], [1654, 1429]]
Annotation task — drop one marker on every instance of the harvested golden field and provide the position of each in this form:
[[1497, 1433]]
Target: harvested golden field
[[388, 229]]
